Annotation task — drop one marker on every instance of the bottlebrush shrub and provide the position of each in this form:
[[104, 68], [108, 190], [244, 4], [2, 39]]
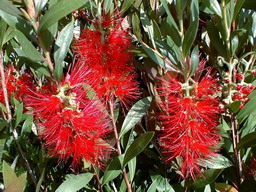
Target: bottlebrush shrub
[[189, 115], [85, 85]]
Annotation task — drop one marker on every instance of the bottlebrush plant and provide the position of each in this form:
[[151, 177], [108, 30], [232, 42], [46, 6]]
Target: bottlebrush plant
[[127, 95]]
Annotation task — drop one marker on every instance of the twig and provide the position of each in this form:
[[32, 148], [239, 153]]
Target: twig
[[235, 139], [119, 151], [97, 178], [9, 119]]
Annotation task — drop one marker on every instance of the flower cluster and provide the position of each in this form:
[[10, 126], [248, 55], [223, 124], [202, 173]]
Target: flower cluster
[[189, 117], [107, 53], [237, 90], [70, 123], [17, 85]]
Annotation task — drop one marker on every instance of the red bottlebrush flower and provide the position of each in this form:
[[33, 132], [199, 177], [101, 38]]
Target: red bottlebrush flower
[[45, 106], [71, 125], [77, 134], [189, 123], [109, 61]]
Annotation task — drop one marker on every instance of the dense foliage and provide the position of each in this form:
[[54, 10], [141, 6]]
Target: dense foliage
[[127, 95]]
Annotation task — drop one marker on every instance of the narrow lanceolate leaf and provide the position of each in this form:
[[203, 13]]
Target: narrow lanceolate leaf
[[219, 162], [157, 57], [8, 7], [170, 18], [137, 147], [248, 109], [161, 184], [3, 26], [31, 52], [18, 23], [58, 11], [135, 114], [74, 183], [61, 48], [202, 180], [126, 5], [132, 168], [247, 141], [189, 37], [194, 60], [214, 6], [113, 170], [214, 36]]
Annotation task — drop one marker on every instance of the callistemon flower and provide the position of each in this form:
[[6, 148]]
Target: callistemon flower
[[189, 118], [107, 54], [71, 125], [17, 85]]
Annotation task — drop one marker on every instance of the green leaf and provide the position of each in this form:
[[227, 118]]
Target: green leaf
[[61, 48], [18, 184], [8, 7], [58, 11], [219, 162], [156, 57], [20, 24], [136, 26], [107, 5], [126, 5], [3, 26], [249, 125], [194, 60], [135, 114], [170, 18], [28, 48], [38, 67], [160, 183], [214, 36], [247, 141], [8, 174], [234, 44], [132, 168], [27, 125], [238, 7], [235, 106], [208, 177], [189, 37], [214, 6], [9, 34], [3, 108], [74, 183], [194, 7], [137, 147], [247, 109], [18, 112], [112, 171]]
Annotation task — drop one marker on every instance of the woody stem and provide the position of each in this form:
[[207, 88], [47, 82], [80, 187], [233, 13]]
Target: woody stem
[[238, 160], [118, 145]]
